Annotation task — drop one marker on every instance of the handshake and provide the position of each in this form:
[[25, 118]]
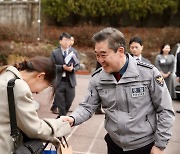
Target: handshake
[[68, 119]]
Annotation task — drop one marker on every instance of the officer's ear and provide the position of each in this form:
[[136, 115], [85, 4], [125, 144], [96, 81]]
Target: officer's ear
[[121, 50]]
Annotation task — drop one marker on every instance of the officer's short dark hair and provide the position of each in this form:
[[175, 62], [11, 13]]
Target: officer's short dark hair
[[115, 38], [64, 34], [137, 40]]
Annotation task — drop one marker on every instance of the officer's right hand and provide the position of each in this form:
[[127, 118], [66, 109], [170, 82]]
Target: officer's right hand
[[68, 119]]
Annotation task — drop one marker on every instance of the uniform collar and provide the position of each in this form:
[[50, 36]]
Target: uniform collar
[[132, 70], [123, 69]]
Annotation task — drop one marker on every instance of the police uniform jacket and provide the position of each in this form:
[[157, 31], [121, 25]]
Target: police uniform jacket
[[145, 60], [138, 108], [26, 115]]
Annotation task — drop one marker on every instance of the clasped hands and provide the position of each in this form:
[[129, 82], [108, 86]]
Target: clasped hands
[[68, 119], [165, 75], [68, 68]]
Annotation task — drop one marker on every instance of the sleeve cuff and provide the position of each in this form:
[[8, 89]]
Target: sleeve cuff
[[161, 144], [59, 128], [74, 120]]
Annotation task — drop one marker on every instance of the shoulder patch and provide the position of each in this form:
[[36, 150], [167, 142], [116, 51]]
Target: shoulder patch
[[145, 64], [97, 71], [160, 80]]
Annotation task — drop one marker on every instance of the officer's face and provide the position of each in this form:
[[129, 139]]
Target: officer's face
[[109, 60], [136, 48]]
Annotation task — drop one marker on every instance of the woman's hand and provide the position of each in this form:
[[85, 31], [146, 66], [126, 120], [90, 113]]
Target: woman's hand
[[56, 142]]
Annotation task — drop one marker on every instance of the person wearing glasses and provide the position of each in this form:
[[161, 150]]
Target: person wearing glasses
[[65, 75]]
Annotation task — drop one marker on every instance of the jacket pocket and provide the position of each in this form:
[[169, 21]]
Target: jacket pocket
[[136, 97]]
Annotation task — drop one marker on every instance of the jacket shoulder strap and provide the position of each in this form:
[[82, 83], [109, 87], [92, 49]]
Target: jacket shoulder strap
[[12, 113]]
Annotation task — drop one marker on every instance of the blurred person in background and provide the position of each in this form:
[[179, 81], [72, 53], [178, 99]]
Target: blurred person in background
[[178, 71], [65, 76], [72, 41], [178, 67], [33, 76], [165, 63], [136, 48]]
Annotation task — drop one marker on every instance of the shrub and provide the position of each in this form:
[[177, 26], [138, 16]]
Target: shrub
[[22, 45]]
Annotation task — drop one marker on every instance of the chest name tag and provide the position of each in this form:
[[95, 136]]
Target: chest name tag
[[137, 92], [162, 61]]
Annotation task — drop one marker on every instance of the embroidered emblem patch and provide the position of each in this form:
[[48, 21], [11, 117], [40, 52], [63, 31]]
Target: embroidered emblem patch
[[137, 92], [160, 81]]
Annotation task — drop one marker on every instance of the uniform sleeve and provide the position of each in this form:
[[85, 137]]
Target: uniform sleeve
[[29, 122], [89, 105], [163, 105]]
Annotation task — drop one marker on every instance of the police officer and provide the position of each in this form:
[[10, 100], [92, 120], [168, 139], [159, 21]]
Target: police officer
[[138, 107]]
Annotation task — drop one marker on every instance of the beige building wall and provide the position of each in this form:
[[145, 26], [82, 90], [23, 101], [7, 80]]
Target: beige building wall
[[22, 15]]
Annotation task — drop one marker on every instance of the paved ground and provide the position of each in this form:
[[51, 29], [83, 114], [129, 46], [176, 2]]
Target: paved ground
[[88, 138]]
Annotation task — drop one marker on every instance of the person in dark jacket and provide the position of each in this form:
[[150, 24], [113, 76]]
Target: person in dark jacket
[[65, 75], [136, 48]]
